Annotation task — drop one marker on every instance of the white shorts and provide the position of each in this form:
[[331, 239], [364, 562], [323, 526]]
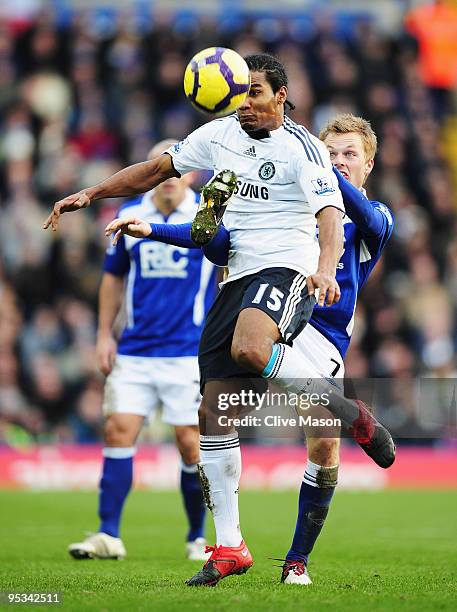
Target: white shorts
[[139, 385], [321, 353]]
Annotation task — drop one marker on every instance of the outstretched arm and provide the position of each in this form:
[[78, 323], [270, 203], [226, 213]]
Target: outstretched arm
[[132, 180], [176, 234], [216, 251]]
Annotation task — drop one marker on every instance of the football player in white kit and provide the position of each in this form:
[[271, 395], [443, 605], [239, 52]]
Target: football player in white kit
[[324, 341], [167, 291], [285, 183]]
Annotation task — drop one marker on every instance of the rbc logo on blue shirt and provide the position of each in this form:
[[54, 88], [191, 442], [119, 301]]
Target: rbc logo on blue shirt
[[160, 260]]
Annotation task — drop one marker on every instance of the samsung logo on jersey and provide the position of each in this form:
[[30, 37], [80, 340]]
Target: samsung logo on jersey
[[250, 191]]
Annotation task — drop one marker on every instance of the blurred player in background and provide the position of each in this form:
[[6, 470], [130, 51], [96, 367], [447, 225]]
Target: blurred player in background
[[167, 291]]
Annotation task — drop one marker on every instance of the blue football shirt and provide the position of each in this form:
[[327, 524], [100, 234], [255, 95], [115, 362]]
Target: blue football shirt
[[361, 253], [168, 289]]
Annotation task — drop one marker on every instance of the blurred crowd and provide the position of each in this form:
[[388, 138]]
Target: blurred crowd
[[83, 96]]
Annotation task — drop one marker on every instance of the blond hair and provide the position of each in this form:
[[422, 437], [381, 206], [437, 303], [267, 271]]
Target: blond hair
[[347, 123], [161, 147]]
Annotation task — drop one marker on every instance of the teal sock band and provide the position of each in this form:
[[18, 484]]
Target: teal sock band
[[270, 365]]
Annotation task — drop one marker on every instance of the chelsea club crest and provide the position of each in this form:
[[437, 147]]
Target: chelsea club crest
[[267, 171]]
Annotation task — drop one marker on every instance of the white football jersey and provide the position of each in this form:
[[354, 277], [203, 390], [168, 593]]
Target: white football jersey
[[284, 180]]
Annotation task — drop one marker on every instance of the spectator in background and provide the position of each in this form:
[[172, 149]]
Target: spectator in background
[[87, 422], [434, 26]]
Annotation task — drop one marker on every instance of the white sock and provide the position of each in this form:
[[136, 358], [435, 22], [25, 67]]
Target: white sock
[[321, 477], [294, 373], [289, 368], [118, 453], [220, 471]]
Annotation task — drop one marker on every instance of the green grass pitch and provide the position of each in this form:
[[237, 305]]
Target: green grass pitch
[[392, 550]]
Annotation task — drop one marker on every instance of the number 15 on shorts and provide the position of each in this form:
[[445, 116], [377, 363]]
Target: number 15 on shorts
[[274, 298]]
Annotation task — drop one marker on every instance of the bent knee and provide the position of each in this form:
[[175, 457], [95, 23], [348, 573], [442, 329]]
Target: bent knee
[[250, 356], [119, 432]]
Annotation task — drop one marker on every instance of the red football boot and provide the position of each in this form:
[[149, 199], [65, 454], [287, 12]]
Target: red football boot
[[373, 437], [225, 561]]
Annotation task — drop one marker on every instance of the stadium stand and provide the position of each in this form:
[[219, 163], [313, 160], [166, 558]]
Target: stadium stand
[[83, 93]]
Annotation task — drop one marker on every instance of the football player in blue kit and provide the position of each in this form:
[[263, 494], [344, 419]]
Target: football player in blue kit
[[167, 291], [325, 340]]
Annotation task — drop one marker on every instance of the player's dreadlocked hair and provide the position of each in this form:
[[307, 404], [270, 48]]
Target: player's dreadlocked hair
[[275, 72]]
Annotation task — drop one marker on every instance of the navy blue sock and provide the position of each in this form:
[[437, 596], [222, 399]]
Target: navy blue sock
[[316, 493], [193, 501], [115, 485]]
